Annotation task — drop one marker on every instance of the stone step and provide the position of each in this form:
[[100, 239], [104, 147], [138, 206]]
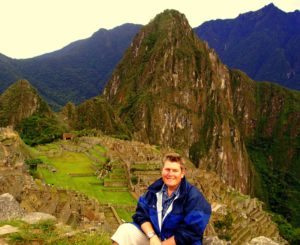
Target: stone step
[[144, 167], [116, 189], [115, 183], [254, 213], [81, 174], [271, 231], [116, 176], [259, 217], [246, 237], [146, 172], [264, 221], [239, 236]]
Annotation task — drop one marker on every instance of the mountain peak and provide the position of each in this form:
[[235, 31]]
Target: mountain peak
[[271, 8], [169, 18], [269, 11]]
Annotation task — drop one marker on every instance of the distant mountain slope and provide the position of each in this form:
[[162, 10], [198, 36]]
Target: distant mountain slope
[[264, 44], [75, 73]]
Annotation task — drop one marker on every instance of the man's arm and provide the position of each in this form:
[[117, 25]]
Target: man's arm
[[148, 228]]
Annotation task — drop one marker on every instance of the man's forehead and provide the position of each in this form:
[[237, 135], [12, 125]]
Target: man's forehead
[[173, 164]]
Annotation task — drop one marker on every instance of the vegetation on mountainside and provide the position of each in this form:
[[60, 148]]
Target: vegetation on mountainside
[[38, 129], [287, 231], [97, 113], [274, 150], [224, 227]]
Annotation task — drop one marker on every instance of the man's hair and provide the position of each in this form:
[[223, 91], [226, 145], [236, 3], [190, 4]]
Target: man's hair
[[174, 157]]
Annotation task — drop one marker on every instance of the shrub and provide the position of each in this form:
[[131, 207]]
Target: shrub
[[39, 130], [134, 180], [223, 227]]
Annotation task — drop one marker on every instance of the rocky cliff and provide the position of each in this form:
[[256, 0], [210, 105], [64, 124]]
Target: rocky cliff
[[13, 151]]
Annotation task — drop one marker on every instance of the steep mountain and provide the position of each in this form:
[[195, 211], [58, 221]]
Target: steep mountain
[[263, 43], [171, 89], [21, 101], [75, 73], [269, 120]]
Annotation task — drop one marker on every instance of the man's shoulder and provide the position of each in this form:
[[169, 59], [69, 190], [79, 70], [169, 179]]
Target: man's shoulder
[[193, 193]]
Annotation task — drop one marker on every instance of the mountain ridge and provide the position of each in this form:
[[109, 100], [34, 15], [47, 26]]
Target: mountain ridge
[[262, 43], [74, 73], [78, 72]]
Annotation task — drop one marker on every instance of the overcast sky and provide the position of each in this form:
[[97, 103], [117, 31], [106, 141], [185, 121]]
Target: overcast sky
[[33, 27]]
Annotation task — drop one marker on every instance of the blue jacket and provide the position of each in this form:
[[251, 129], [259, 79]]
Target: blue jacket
[[186, 221]]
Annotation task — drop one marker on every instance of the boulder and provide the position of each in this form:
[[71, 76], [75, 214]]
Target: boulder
[[37, 217], [261, 240], [8, 229], [9, 207]]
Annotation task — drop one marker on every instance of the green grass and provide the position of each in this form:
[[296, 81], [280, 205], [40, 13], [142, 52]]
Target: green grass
[[127, 216], [98, 151], [86, 185], [68, 163], [48, 233]]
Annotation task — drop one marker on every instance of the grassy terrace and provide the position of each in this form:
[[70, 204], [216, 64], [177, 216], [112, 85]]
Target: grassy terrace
[[75, 171]]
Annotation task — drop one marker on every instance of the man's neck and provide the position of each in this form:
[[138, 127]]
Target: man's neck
[[170, 190]]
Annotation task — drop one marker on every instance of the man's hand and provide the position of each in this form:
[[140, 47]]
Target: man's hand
[[169, 241], [155, 240]]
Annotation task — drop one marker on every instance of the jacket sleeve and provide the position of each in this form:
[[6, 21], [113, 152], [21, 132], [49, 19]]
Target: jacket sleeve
[[142, 211], [197, 213]]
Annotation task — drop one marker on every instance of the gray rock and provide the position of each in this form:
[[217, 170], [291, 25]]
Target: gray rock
[[9, 207], [261, 240], [37, 217], [7, 229]]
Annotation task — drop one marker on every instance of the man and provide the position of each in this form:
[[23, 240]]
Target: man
[[171, 212]]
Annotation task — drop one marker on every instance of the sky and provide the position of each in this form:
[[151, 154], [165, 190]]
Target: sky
[[33, 27]]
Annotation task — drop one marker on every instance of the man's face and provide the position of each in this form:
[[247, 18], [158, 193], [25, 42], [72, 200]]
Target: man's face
[[172, 174]]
